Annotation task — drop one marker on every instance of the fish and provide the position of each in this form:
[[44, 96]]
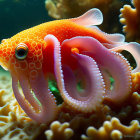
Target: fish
[[71, 51]]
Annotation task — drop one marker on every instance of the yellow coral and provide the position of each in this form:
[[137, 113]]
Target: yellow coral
[[65, 8], [130, 18], [112, 130], [135, 81], [111, 120], [59, 131], [14, 123]]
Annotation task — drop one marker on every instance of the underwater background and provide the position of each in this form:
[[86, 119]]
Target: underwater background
[[18, 15]]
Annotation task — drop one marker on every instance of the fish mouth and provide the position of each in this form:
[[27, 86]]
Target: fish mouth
[[39, 106]]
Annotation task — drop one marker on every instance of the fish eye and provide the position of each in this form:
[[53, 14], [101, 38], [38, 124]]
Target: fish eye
[[21, 51]]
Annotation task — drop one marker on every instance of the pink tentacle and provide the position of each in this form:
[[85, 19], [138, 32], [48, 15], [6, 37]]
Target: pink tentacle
[[27, 92], [46, 99], [93, 95], [71, 84], [106, 78], [134, 49], [114, 63]]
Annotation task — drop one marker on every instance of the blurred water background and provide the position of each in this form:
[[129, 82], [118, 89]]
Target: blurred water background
[[18, 15]]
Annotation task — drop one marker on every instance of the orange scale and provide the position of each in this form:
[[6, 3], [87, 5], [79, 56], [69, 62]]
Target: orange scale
[[27, 43], [10, 56], [10, 43], [13, 44], [5, 47], [4, 54], [30, 55], [30, 61], [13, 61], [33, 73], [35, 58], [4, 50], [7, 58], [32, 50], [33, 44], [35, 38], [39, 46], [35, 52], [23, 65], [8, 53], [1, 51], [17, 38], [3, 40], [9, 49], [40, 57], [38, 65], [31, 66], [17, 65], [39, 53], [17, 41]]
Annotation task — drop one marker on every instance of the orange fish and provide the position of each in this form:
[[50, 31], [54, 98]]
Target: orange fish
[[71, 51]]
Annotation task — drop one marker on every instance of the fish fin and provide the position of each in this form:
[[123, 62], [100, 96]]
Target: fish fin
[[92, 17], [116, 37]]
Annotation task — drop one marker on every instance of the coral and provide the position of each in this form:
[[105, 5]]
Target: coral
[[71, 8], [136, 98], [129, 114], [130, 19], [59, 131], [112, 130], [116, 124], [136, 82], [14, 123], [66, 9]]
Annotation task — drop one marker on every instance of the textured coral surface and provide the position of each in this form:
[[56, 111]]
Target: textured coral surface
[[14, 123], [130, 19]]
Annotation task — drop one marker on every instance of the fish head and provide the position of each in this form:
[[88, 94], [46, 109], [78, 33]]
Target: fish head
[[22, 54]]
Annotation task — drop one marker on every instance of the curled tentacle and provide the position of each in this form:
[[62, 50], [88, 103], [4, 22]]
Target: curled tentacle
[[134, 49], [120, 71], [110, 62], [93, 93]]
